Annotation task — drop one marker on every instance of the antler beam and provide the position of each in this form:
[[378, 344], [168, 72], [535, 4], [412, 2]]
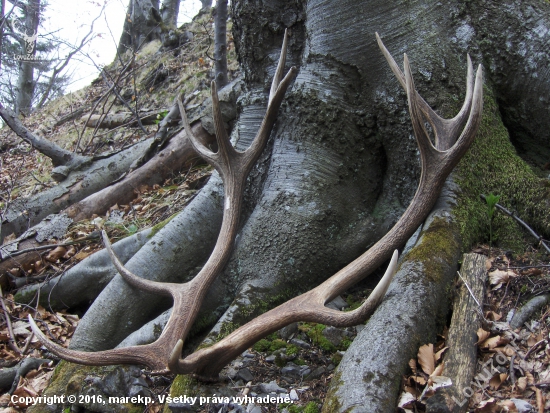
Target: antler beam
[[234, 167], [452, 139]]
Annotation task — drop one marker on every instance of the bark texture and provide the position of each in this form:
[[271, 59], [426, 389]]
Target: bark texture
[[368, 379], [341, 166], [25, 81], [461, 358]]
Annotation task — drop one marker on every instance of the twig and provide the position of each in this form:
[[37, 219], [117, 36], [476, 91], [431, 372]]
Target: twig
[[521, 222], [512, 374], [12, 342], [534, 348], [469, 289]]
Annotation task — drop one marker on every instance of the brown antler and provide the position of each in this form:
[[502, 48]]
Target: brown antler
[[233, 167], [437, 162]]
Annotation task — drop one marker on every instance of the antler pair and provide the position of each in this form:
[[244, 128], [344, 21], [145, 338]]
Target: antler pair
[[437, 162]]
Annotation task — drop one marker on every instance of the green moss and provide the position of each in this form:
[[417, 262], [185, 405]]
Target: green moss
[[226, 329], [184, 385], [311, 407], [332, 404], [292, 350], [439, 237], [492, 166], [161, 225], [315, 333], [262, 345]]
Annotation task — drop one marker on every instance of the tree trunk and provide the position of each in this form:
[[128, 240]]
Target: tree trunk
[[206, 4], [142, 25], [340, 168], [25, 83], [169, 12], [220, 44]]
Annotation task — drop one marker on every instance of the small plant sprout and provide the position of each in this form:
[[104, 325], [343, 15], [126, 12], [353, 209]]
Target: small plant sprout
[[492, 201]]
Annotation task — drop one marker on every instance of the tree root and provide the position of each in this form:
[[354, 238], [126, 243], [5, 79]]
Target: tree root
[[379, 355], [9, 377]]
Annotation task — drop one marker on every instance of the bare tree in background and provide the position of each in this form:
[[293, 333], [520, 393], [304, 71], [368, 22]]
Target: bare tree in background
[[206, 4], [25, 83], [169, 12], [220, 44]]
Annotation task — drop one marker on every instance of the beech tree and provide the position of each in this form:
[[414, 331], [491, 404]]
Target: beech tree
[[339, 169]]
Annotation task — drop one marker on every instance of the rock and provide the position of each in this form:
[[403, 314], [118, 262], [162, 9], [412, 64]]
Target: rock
[[334, 335], [180, 407], [338, 304], [359, 328], [317, 373], [245, 374], [271, 358], [287, 332], [247, 354], [271, 387], [300, 343], [251, 408], [292, 370], [294, 395]]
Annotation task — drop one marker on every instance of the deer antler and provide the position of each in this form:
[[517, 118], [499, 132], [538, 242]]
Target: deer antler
[[437, 163], [233, 167]]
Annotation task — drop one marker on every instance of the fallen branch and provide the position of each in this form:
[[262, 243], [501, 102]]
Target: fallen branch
[[9, 377], [460, 360]]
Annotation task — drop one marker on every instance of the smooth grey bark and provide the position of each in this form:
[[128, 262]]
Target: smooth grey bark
[[220, 44], [513, 37], [172, 255], [25, 81], [368, 379], [82, 283], [340, 168]]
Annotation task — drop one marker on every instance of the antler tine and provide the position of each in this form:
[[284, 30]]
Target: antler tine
[[132, 279], [202, 150], [280, 68], [422, 137], [310, 306], [445, 130]]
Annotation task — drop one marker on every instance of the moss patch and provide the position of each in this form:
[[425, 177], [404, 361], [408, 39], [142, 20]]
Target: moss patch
[[492, 166], [437, 248]]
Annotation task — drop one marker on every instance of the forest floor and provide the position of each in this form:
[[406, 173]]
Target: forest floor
[[297, 362]]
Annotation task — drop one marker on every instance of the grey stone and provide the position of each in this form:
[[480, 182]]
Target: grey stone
[[180, 407], [271, 387], [271, 358], [291, 369], [334, 335], [299, 343], [245, 374], [359, 328], [318, 372], [338, 303], [294, 395], [287, 332]]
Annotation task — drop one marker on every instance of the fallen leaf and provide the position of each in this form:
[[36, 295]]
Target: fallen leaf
[[498, 277], [497, 380], [426, 358], [482, 335], [412, 365], [541, 400], [522, 384], [439, 355], [406, 400], [492, 316], [493, 342], [56, 254]]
